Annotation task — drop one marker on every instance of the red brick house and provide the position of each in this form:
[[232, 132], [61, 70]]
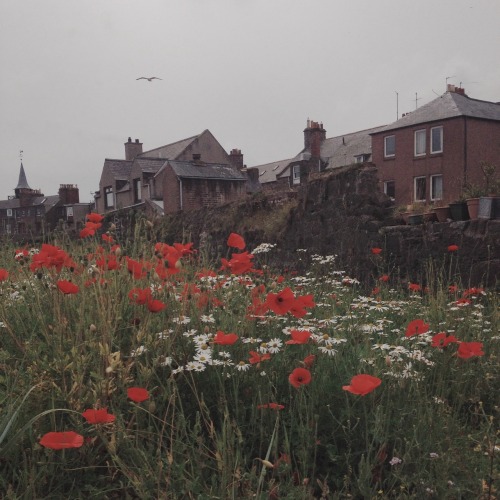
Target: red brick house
[[143, 180], [431, 153], [191, 185], [29, 213]]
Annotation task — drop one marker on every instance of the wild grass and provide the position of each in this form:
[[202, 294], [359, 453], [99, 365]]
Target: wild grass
[[216, 425]]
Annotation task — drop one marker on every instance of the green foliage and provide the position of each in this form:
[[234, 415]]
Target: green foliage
[[211, 427]]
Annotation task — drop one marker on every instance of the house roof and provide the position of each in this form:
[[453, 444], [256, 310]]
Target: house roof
[[149, 165], [268, 172], [170, 151], [47, 201], [119, 168], [449, 105], [343, 149], [193, 170], [22, 183]]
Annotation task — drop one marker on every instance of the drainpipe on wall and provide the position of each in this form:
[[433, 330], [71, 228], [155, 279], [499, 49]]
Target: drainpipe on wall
[[180, 191], [465, 149]]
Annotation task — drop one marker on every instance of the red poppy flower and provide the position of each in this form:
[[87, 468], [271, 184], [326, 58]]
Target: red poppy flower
[[139, 295], [309, 360], [137, 394], [86, 232], [441, 340], [362, 384], [67, 287], [95, 218], [463, 302], [61, 440], [272, 406], [255, 357], [375, 291], [473, 291], [414, 287], [107, 238], [4, 274], [416, 327], [299, 337], [300, 304], [98, 416], [155, 306], [225, 339], [236, 241], [281, 302], [135, 268], [299, 376], [240, 263], [468, 350], [384, 278], [376, 251], [452, 248], [453, 288]]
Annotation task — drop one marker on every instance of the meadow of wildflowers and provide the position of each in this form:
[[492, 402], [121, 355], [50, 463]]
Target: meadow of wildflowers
[[141, 370]]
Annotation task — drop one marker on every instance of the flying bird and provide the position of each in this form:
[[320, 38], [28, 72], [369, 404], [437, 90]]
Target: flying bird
[[149, 79]]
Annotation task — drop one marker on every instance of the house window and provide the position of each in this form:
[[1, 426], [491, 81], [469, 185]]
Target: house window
[[137, 190], [437, 140], [419, 188], [436, 187], [109, 200], [69, 213], [420, 142], [296, 174], [389, 146], [9, 212], [390, 189]]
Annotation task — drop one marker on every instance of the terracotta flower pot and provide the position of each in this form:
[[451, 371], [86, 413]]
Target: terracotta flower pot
[[473, 208], [442, 214]]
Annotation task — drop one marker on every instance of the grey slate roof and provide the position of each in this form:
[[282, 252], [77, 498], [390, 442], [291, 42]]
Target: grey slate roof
[[268, 172], [192, 170], [47, 201], [343, 149], [119, 168], [170, 151], [22, 183], [449, 105], [149, 165]]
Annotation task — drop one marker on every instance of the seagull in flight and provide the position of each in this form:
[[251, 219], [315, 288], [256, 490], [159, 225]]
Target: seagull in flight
[[149, 79]]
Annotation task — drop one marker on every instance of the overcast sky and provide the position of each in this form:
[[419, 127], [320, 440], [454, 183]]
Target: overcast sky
[[250, 71]]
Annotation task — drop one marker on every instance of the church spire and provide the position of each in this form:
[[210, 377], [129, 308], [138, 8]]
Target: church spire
[[23, 183]]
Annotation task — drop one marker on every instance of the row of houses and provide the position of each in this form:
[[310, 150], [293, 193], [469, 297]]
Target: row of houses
[[425, 156]]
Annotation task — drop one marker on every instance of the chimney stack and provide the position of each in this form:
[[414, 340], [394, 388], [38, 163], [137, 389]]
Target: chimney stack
[[132, 149], [314, 135], [69, 194], [236, 158]]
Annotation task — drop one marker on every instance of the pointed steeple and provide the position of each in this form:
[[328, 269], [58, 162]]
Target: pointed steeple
[[23, 183]]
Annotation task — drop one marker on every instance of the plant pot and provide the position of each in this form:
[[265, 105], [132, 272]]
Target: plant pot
[[415, 219], [442, 214], [473, 208], [458, 211], [430, 216], [405, 216], [489, 207]]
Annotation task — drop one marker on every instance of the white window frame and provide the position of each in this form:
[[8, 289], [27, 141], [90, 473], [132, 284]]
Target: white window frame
[[420, 136], [9, 212], [296, 174], [390, 155], [108, 191], [415, 181], [440, 129], [385, 188], [432, 193]]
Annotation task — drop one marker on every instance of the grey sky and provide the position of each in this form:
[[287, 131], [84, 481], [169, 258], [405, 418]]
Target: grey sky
[[250, 71]]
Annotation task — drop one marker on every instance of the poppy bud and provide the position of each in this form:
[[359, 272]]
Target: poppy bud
[[92, 328]]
